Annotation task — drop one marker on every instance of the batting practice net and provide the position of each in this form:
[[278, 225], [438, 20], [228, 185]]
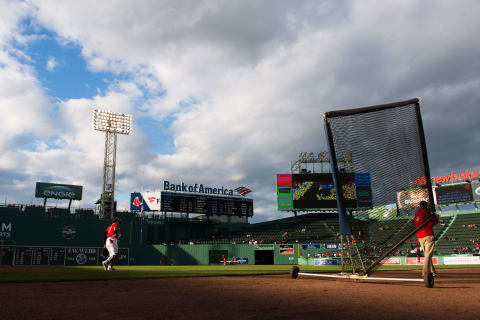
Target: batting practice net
[[385, 149]]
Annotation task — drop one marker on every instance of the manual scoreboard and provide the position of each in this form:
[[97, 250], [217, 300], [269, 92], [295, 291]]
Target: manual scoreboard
[[167, 201]]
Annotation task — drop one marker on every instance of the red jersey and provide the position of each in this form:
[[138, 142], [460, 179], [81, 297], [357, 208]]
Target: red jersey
[[421, 215], [112, 230]]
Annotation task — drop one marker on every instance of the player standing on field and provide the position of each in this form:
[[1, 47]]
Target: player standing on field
[[425, 236], [111, 243]]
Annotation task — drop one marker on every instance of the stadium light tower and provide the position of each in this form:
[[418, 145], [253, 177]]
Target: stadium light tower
[[112, 123]]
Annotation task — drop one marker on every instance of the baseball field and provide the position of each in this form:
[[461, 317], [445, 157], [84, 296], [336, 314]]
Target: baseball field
[[233, 292]]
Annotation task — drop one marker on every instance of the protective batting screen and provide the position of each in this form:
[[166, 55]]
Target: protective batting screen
[[387, 143]]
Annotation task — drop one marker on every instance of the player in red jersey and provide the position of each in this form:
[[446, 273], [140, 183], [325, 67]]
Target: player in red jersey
[[426, 237], [111, 243]]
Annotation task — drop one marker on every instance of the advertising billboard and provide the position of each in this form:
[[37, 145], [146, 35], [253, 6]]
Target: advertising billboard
[[326, 262], [453, 193], [415, 261], [409, 199], [388, 211], [476, 190], [58, 191], [314, 191], [149, 200], [286, 249]]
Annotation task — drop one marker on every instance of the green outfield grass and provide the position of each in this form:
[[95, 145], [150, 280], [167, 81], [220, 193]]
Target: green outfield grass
[[63, 273]]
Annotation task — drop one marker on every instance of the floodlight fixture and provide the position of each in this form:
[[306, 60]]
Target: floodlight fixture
[[114, 122]]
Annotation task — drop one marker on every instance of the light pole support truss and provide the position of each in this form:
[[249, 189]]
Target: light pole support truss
[[108, 187]]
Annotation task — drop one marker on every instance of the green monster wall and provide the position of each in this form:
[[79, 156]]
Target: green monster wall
[[78, 235]]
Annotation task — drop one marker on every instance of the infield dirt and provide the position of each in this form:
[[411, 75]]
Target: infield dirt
[[456, 295]]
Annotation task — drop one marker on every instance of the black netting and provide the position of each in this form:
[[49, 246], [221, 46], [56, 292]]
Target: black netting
[[387, 143]]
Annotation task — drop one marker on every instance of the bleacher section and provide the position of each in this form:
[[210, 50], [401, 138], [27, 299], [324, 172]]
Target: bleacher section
[[453, 231], [309, 228], [463, 233], [409, 246]]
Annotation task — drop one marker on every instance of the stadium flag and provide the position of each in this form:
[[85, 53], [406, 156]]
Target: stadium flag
[[243, 191]]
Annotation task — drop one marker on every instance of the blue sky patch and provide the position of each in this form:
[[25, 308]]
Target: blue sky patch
[[61, 69], [159, 138]]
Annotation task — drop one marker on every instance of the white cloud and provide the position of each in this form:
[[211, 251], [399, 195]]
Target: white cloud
[[51, 64], [10, 15], [257, 78], [24, 107]]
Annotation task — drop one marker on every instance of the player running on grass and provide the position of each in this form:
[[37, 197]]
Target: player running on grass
[[111, 243]]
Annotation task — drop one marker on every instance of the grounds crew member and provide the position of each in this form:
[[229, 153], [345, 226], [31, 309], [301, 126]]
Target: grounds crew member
[[426, 237], [111, 243]]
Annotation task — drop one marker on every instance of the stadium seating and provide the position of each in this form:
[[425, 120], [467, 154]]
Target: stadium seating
[[463, 232], [309, 228]]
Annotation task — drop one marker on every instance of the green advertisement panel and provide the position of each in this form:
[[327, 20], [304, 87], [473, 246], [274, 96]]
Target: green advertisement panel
[[58, 191]]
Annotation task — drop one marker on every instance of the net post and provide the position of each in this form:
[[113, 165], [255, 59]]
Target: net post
[[342, 214], [425, 158]]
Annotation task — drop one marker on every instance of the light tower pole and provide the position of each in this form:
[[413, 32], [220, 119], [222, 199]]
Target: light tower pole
[[112, 123]]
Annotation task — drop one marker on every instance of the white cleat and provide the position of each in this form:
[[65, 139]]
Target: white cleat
[[104, 263]]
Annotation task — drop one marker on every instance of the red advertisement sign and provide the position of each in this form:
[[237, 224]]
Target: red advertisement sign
[[391, 261], [284, 180], [286, 249], [415, 261]]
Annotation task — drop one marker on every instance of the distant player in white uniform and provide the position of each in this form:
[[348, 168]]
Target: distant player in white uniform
[[111, 243]]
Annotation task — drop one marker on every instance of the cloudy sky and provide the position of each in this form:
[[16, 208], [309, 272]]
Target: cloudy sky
[[223, 93]]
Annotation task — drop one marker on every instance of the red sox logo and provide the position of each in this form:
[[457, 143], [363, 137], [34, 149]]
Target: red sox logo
[[137, 202]]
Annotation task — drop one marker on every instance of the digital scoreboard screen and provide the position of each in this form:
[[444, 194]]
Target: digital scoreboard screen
[[205, 204], [454, 193], [313, 191]]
